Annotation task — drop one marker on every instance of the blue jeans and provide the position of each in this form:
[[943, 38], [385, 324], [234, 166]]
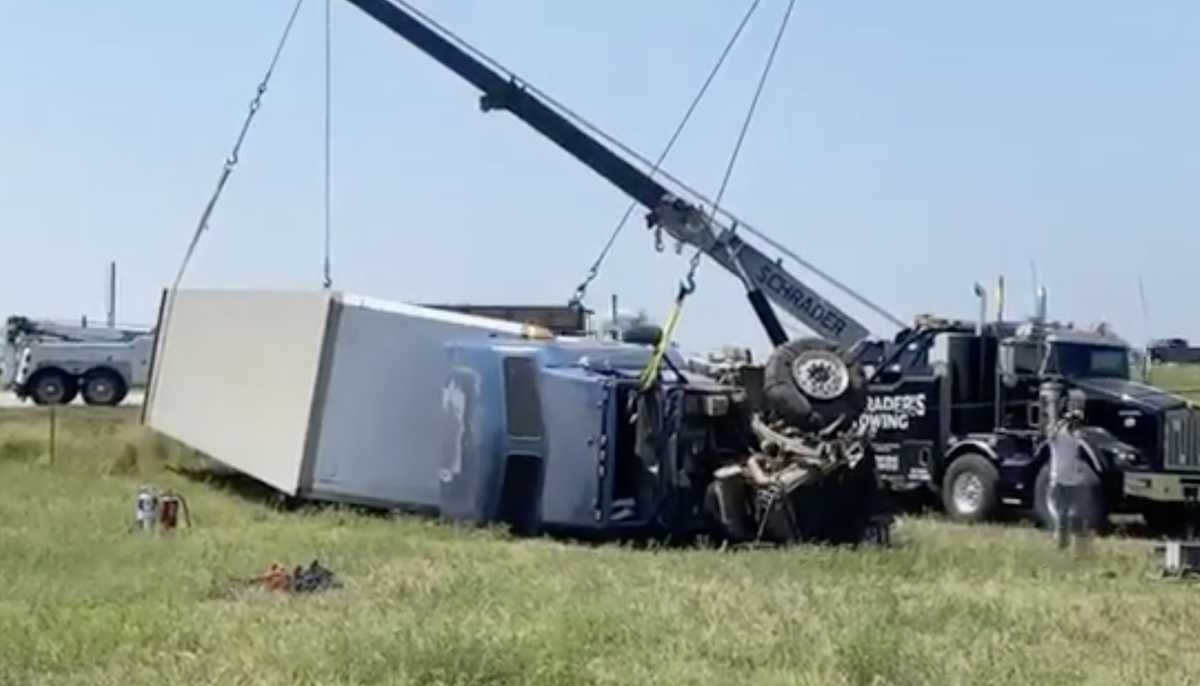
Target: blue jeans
[[1073, 511]]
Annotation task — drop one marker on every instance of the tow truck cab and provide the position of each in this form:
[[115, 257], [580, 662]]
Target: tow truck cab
[[973, 390]]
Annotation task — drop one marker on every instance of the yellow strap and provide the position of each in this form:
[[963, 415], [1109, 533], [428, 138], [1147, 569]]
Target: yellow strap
[[650, 372]]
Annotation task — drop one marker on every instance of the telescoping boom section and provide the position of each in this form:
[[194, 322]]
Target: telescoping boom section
[[764, 277]]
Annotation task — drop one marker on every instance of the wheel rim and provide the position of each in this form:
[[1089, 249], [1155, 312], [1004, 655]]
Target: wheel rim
[[51, 391], [821, 375], [101, 391], [968, 493]]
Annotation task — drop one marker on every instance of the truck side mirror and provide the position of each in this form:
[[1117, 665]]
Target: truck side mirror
[[1008, 364]]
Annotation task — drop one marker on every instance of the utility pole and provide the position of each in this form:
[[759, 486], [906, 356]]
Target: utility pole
[[111, 296]]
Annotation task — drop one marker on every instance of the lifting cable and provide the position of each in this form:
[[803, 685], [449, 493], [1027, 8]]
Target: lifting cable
[[168, 302], [688, 285], [594, 270], [626, 150], [234, 154], [327, 257]]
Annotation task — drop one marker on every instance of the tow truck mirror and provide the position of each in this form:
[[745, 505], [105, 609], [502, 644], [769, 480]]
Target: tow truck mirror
[[1008, 366], [1017, 359]]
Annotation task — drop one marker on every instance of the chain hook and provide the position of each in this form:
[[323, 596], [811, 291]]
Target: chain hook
[[581, 290], [688, 285]]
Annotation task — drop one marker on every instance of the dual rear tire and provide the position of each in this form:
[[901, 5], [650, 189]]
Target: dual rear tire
[[100, 387]]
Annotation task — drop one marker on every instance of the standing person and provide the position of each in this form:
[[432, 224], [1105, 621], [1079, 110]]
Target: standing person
[[1070, 483]]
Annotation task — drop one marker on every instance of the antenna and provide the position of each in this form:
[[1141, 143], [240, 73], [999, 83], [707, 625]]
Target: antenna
[[1033, 274], [1144, 304]]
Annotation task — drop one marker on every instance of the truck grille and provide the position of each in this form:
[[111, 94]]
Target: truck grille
[[1181, 439]]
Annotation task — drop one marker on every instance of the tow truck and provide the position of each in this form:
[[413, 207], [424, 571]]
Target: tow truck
[[52, 363], [963, 416]]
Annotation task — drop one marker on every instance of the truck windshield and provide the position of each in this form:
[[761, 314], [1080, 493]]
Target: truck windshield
[[1079, 360]]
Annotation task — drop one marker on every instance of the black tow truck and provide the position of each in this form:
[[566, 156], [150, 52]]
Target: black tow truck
[[961, 414]]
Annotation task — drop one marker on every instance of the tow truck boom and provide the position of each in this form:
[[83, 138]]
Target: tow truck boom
[[765, 278]]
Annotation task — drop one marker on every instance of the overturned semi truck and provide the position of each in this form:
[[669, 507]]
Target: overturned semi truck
[[348, 399]]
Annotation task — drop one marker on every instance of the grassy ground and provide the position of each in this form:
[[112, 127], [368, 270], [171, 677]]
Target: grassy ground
[[1184, 379], [86, 603]]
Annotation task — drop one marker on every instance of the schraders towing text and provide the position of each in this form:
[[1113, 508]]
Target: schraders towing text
[[892, 412]]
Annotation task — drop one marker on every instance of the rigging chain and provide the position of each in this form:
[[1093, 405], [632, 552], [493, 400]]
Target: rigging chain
[[688, 285], [594, 270], [234, 154]]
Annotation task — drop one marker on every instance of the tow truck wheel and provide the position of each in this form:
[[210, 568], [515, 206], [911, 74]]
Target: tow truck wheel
[[103, 387], [969, 488], [52, 387], [809, 384]]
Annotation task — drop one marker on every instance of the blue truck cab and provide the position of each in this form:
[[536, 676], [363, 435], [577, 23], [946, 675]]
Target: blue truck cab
[[553, 436]]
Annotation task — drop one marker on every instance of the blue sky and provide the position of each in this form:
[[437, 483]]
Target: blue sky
[[909, 147]]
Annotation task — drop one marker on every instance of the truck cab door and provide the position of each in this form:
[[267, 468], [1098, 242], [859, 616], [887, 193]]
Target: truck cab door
[[904, 420]]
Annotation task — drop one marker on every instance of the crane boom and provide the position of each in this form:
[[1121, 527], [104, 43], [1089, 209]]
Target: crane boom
[[765, 278]]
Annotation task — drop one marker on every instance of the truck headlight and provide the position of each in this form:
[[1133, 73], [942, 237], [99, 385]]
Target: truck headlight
[[1127, 458]]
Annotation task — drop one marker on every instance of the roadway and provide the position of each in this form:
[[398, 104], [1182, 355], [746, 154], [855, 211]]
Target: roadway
[[8, 400]]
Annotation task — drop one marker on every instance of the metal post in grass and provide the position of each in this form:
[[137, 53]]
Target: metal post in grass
[[53, 447]]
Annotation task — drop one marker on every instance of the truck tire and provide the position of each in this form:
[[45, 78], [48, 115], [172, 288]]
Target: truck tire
[[103, 387], [1043, 507], [52, 387], [810, 385], [969, 492]]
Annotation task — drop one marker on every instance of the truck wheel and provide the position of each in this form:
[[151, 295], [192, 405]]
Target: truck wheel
[[52, 387], [103, 387], [969, 491], [809, 384], [1044, 511]]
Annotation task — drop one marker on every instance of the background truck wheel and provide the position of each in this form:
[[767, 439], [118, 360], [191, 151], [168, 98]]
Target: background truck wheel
[[809, 384], [969, 489], [1043, 508], [103, 387], [52, 387]]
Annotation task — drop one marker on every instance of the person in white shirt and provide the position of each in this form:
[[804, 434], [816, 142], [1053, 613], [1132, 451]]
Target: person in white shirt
[[1070, 483]]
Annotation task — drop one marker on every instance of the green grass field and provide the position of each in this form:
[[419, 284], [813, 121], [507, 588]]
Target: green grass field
[[1184, 380], [86, 603]]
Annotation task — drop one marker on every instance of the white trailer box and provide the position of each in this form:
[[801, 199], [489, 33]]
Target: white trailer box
[[322, 395]]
